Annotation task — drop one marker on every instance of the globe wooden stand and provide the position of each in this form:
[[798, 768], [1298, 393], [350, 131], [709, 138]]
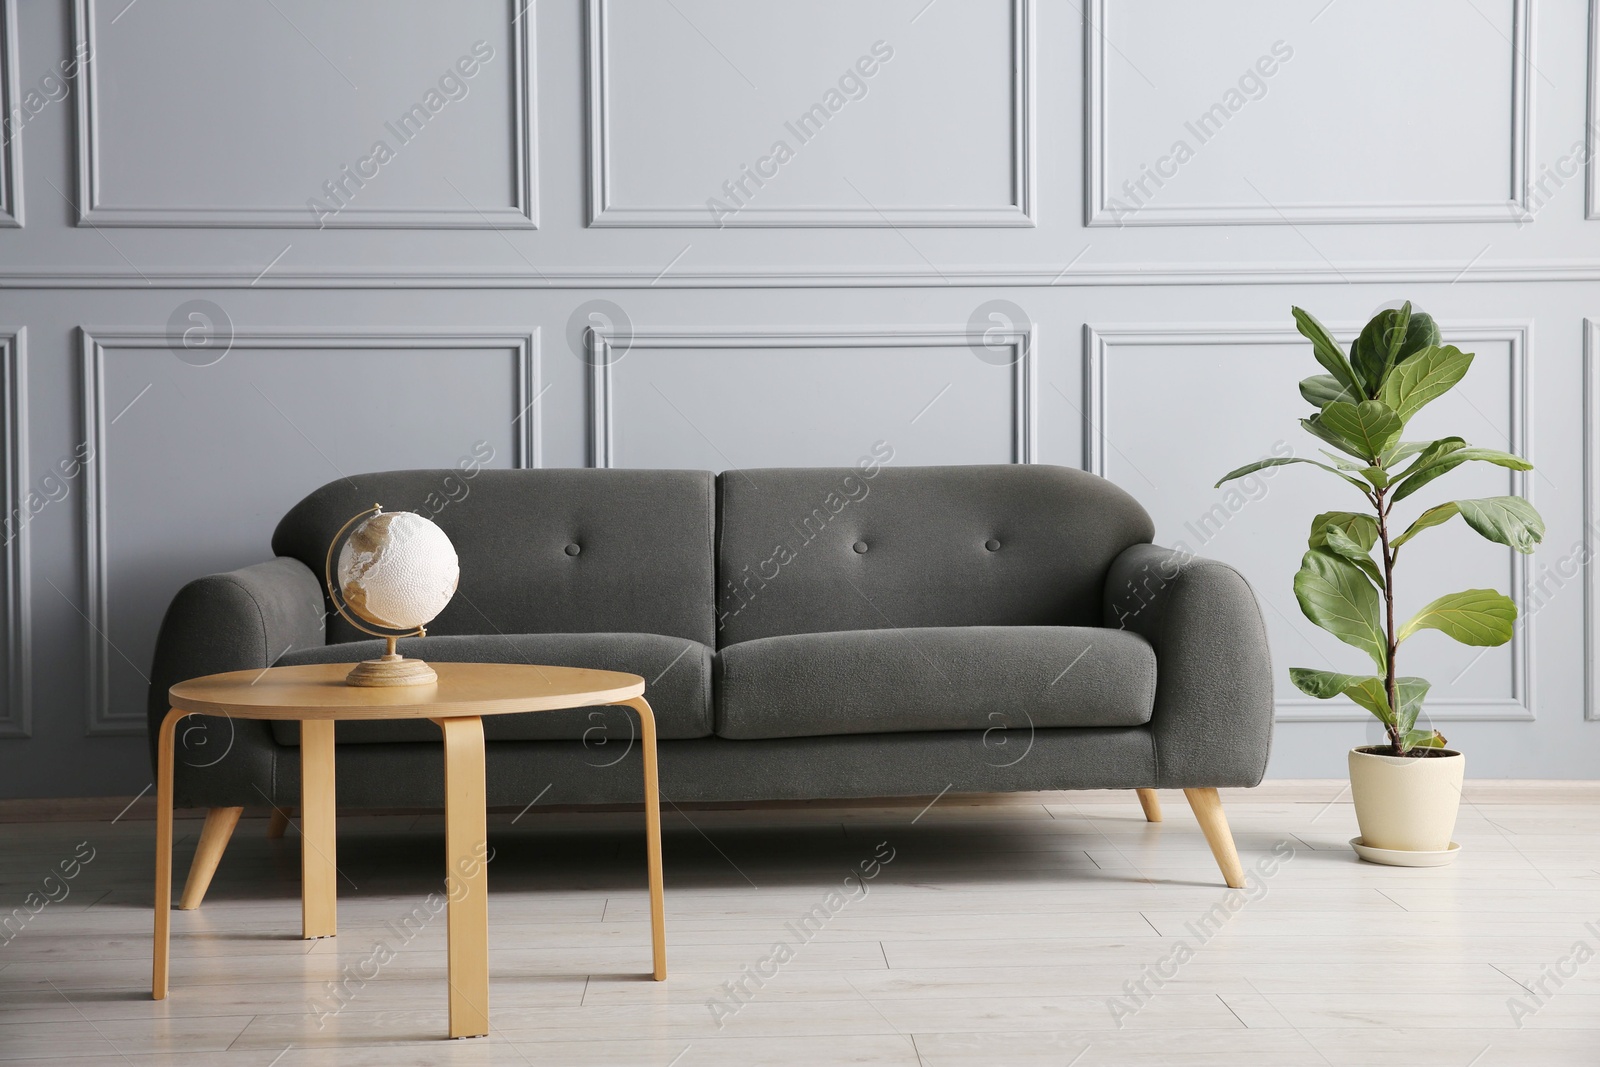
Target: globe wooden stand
[[391, 669]]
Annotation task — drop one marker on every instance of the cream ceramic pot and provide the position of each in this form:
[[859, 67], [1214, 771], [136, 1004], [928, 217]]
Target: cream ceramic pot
[[1406, 803]]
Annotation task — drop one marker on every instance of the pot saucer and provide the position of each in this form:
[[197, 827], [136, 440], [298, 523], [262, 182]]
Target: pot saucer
[[1394, 857]]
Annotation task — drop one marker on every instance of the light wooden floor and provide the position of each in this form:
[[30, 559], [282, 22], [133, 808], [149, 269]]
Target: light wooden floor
[[1002, 932]]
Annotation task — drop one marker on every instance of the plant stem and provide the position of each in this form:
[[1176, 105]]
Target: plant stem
[[1395, 737]]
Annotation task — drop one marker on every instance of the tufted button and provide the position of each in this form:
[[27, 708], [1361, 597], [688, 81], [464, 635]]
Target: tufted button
[[860, 547], [573, 550], [992, 545]]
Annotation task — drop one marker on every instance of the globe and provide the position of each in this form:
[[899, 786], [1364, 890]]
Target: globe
[[397, 570]]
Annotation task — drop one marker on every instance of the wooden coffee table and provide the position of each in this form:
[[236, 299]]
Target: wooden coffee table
[[317, 697]]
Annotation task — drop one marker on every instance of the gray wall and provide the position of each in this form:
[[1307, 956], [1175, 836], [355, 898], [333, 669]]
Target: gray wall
[[993, 150]]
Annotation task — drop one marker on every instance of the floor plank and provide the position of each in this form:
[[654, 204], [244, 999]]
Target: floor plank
[[1045, 928]]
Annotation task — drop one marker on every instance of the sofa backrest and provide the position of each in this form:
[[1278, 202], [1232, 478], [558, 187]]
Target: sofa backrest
[[543, 551], [810, 550]]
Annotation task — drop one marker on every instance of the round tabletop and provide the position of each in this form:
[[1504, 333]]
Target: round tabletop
[[318, 691]]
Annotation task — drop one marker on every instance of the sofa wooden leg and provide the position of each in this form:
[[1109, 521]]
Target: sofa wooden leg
[[1214, 824], [1151, 804], [277, 824], [213, 842]]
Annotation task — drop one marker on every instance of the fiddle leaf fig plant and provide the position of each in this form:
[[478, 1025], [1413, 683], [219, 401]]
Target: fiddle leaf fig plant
[[1363, 403]]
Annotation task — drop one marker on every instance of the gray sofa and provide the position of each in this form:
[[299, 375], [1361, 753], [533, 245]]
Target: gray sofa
[[866, 631]]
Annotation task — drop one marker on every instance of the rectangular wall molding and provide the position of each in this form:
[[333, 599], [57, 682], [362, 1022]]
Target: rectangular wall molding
[[605, 347], [604, 212], [1097, 183], [1216, 274], [1591, 202], [92, 210], [1591, 514], [17, 717], [10, 111], [1099, 342], [97, 344]]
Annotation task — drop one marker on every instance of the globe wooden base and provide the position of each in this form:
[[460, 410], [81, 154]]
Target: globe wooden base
[[391, 670]]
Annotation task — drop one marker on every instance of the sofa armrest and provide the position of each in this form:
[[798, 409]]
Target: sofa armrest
[[242, 620], [1212, 724]]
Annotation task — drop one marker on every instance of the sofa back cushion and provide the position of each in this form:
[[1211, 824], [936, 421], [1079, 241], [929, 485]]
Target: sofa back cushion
[[543, 551], [812, 550]]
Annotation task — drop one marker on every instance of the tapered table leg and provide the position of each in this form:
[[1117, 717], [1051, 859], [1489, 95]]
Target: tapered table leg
[[319, 871], [467, 877], [652, 829], [161, 951]]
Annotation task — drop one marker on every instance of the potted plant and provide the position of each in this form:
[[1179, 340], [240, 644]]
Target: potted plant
[[1406, 791]]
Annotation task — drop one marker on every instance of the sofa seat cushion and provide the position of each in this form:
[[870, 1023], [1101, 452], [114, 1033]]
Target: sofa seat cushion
[[677, 674], [934, 678]]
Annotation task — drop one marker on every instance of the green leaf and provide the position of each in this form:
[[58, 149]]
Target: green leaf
[[1378, 347], [1365, 690], [1362, 529], [1395, 340], [1425, 470], [1342, 463], [1506, 520], [1480, 617], [1435, 516], [1368, 692], [1431, 451], [1326, 349], [1324, 685], [1377, 477], [1391, 338], [1422, 739], [1317, 428], [1401, 452], [1372, 426], [1278, 461], [1421, 333], [1340, 544], [1335, 594], [1410, 692], [1321, 390], [1427, 375], [1431, 454], [1491, 455]]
